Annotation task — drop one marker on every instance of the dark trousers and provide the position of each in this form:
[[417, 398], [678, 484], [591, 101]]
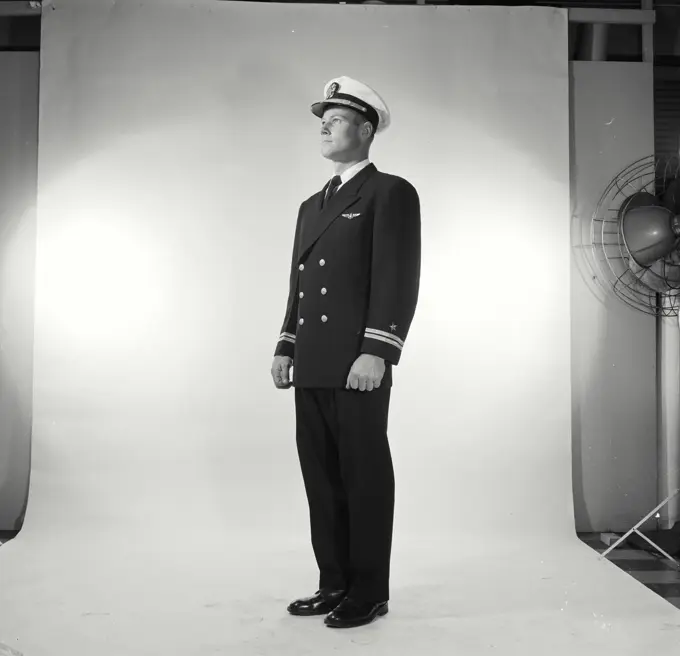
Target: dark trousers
[[347, 470]]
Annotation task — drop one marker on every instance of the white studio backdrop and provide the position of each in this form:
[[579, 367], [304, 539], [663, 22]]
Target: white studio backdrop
[[166, 511]]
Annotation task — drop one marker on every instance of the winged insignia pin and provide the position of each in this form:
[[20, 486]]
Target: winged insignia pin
[[351, 216]]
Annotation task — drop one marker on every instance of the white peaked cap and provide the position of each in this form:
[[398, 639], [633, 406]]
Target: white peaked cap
[[346, 92]]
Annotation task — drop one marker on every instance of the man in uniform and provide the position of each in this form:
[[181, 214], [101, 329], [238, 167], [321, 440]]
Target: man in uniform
[[354, 282]]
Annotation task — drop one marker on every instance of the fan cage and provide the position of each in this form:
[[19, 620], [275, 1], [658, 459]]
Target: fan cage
[[616, 267]]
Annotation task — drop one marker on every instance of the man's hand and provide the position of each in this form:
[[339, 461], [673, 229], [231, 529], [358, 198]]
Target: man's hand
[[366, 373], [281, 371]]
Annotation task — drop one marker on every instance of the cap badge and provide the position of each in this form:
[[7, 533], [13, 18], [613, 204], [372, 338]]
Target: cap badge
[[332, 90]]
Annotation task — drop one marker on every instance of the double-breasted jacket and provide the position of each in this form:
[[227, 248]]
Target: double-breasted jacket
[[354, 278]]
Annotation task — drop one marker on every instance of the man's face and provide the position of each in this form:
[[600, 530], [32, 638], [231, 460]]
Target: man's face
[[340, 136]]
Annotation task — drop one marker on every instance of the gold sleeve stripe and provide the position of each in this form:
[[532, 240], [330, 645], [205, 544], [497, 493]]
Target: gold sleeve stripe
[[382, 336], [382, 333]]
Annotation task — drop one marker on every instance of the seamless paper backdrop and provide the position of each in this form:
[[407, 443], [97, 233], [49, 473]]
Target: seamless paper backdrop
[[167, 512]]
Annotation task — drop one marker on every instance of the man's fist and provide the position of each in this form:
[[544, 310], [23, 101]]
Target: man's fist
[[281, 371], [366, 373]]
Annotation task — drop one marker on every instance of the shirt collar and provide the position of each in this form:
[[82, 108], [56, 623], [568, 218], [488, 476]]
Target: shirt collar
[[347, 175]]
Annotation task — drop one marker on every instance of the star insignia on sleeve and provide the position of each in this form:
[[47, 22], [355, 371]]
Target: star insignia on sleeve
[[393, 327]]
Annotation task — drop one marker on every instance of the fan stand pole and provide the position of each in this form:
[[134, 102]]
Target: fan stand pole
[[662, 464], [644, 537]]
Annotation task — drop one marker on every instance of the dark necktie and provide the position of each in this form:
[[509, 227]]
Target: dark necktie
[[336, 181]]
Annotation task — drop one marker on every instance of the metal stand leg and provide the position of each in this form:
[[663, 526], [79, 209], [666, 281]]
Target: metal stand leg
[[644, 537]]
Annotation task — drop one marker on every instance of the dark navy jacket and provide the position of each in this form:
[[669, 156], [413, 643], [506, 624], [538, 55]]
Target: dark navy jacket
[[354, 279]]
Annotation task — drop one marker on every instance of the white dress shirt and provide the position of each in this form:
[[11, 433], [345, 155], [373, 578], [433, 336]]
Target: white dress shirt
[[352, 171]]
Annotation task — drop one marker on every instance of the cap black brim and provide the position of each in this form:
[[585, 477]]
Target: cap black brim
[[319, 108]]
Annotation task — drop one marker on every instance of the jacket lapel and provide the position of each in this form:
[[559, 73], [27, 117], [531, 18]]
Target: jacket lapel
[[316, 220]]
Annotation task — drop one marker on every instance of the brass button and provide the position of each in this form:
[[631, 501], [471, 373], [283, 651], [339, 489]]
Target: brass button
[[322, 262], [324, 318], [323, 290], [301, 267], [302, 294], [302, 321]]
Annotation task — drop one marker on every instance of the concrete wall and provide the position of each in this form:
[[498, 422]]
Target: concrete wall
[[614, 420]]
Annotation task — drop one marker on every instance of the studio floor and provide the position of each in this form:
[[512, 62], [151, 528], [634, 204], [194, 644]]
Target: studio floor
[[649, 568], [479, 597]]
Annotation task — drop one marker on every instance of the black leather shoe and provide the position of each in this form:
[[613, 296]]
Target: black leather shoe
[[351, 613], [321, 603]]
